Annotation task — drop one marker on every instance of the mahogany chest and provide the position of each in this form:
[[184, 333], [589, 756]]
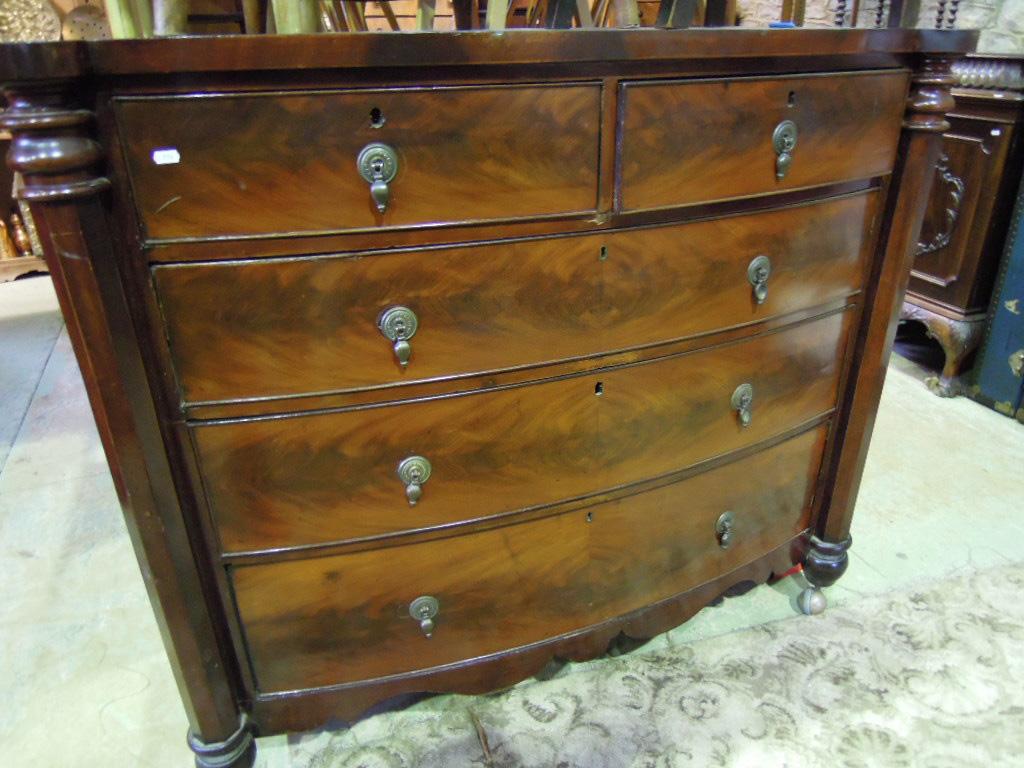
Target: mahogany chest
[[421, 360]]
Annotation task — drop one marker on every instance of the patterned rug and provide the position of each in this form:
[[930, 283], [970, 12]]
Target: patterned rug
[[931, 678]]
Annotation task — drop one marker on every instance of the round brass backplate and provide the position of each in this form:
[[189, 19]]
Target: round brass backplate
[[377, 162]]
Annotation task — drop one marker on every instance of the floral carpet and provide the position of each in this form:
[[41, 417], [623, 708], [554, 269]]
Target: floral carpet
[[931, 678]]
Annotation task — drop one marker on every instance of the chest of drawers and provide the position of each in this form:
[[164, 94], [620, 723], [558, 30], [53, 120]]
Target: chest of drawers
[[420, 361]]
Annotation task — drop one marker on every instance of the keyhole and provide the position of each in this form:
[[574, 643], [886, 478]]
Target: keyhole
[[590, 517], [603, 256], [376, 118], [599, 388], [791, 99]]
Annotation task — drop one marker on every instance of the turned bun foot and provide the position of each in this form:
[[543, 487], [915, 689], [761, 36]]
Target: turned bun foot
[[237, 751], [824, 562], [812, 601]]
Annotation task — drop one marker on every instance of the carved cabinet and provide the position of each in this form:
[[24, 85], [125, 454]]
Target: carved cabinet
[[422, 360], [968, 215]]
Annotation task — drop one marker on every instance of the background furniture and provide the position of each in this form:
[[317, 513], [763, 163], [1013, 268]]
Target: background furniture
[[414, 379], [144, 18], [965, 229], [12, 269], [20, 253], [998, 376]]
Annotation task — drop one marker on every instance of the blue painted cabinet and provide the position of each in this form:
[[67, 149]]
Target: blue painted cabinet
[[999, 372]]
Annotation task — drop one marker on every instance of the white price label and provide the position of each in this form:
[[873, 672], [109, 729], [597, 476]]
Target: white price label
[[166, 156]]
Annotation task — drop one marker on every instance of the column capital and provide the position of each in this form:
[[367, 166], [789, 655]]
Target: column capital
[[930, 95], [51, 144]]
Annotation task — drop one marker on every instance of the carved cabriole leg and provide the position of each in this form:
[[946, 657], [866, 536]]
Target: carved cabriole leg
[[924, 122], [52, 147], [958, 339]]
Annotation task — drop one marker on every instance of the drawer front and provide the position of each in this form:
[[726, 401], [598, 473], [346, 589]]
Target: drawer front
[[690, 142], [277, 163], [325, 477], [346, 618], [293, 326]]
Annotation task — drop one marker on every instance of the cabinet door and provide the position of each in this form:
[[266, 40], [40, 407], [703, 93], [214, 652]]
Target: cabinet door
[[956, 257]]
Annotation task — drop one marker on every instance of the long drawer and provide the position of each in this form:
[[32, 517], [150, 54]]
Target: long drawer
[[281, 327], [283, 162], [345, 618], [317, 478], [685, 142]]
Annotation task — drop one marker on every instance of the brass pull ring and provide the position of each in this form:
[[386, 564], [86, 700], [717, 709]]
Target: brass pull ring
[[424, 609], [758, 272], [378, 165], [743, 402], [725, 529], [784, 142], [399, 324], [414, 471]]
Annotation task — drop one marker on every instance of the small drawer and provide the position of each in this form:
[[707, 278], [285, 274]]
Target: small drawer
[[272, 163], [282, 327], [358, 616], [323, 477], [685, 142]]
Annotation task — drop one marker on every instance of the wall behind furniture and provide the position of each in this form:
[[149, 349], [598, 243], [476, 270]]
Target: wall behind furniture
[[1001, 21]]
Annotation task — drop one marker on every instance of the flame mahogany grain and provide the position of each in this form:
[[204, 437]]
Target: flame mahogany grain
[[334, 620], [847, 129], [270, 328], [313, 479], [84, 118], [286, 162], [340, 704]]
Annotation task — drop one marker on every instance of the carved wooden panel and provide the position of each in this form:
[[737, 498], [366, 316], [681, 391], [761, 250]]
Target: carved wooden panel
[[951, 248]]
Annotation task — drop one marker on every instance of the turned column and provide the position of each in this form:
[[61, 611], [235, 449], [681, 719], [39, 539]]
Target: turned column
[[68, 195], [825, 556]]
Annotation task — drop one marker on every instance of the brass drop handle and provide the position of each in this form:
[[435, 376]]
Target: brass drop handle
[[784, 142], [742, 403], [378, 164], [758, 272], [414, 471], [424, 609], [725, 529], [399, 324]]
